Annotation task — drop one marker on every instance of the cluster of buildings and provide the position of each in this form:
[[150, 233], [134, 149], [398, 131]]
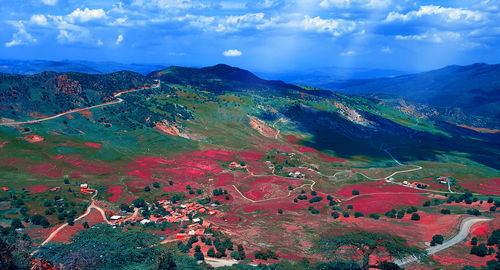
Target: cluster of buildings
[[297, 175], [309, 169], [416, 185], [443, 180], [197, 229], [179, 213], [84, 188]]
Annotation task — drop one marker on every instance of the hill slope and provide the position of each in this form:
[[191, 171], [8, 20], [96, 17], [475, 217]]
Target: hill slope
[[473, 89]]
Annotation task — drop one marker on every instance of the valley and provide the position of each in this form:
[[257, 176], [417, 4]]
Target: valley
[[218, 162]]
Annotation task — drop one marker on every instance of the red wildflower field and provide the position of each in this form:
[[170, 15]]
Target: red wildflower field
[[380, 203], [46, 169], [93, 145], [38, 189], [329, 158], [116, 191], [374, 188]]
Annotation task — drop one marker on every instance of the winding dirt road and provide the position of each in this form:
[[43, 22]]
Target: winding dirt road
[[461, 235]]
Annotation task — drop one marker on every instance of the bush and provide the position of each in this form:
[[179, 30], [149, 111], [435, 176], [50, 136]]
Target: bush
[[427, 203], [490, 200], [188, 187], [211, 252], [199, 256], [346, 214], [358, 214], [147, 189], [280, 211], [16, 223], [315, 199], [313, 193], [445, 211], [438, 239], [237, 255], [314, 211], [473, 241], [493, 209], [415, 216], [265, 255], [170, 182], [374, 216], [86, 225], [302, 197], [480, 250], [66, 181], [350, 206], [355, 192], [156, 185], [335, 215]]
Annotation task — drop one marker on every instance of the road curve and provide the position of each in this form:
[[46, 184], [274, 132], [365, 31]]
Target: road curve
[[461, 235], [118, 100]]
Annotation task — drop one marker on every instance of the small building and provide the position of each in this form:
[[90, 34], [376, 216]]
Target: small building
[[115, 217], [33, 138], [55, 188]]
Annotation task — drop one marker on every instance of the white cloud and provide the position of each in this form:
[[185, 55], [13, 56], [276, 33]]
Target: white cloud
[[336, 27], [447, 14], [49, 2], [171, 5], [38, 19], [85, 15], [232, 53], [434, 37], [348, 53], [21, 37], [355, 3], [100, 43], [386, 49], [119, 39]]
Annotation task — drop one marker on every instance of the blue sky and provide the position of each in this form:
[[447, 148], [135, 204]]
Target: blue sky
[[263, 35]]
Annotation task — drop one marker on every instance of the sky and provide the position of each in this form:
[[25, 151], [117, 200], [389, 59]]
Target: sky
[[261, 35]]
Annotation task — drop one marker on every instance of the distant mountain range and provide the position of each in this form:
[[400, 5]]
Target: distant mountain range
[[30, 67], [459, 90]]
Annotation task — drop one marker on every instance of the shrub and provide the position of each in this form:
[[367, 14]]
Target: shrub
[[315, 211], [315, 199], [156, 185], [16, 223], [355, 192], [374, 216], [199, 256], [473, 241], [147, 189], [302, 197], [66, 181], [445, 211], [490, 200], [280, 211], [358, 214], [211, 252], [480, 250], [350, 206], [346, 214], [86, 225], [438, 239], [290, 188], [188, 187], [415, 216], [427, 203], [171, 182], [313, 193], [335, 215], [237, 255], [493, 209]]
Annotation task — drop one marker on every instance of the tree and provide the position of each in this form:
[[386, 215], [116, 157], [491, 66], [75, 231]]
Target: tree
[[415, 216], [358, 214], [367, 243], [473, 241], [86, 225], [156, 185], [66, 181], [280, 211], [16, 223], [166, 262], [427, 203], [438, 239], [388, 266], [494, 239], [355, 192], [211, 252], [335, 215], [401, 214], [237, 255], [147, 189], [481, 250]]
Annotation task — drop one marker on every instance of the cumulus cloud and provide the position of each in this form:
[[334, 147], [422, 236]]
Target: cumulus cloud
[[446, 14], [99, 43], [336, 27], [85, 15], [386, 49], [38, 19], [232, 53], [355, 3], [119, 39], [434, 37], [21, 37], [49, 2]]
